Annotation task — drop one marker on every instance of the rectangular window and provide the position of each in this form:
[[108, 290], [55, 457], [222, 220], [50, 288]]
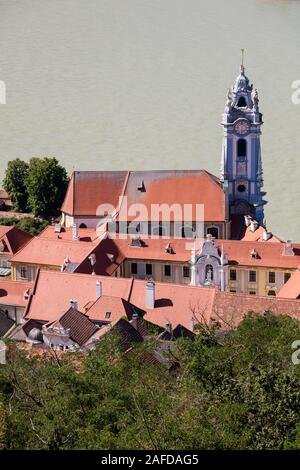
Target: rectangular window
[[252, 292], [232, 274], [149, 269], [186, 271], [252, 276], [272, 277], [286, 277], [23, 272], [133, 268], [167, 270], [233, 291]]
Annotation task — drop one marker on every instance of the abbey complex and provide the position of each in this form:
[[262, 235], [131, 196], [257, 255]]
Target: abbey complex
[[168, 247]]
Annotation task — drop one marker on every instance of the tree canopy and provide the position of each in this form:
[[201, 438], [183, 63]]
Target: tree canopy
[[38, 186], [239, 391], [14, 184]]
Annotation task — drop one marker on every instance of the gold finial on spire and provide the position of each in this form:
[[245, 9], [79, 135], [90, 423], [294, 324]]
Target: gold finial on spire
[[242, 64]]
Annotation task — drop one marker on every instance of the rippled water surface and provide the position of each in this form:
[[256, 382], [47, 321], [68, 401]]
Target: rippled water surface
[[141, 84]]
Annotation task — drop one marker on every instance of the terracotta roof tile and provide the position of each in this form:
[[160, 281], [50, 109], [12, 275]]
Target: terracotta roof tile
[[14, 238], [154, 248], [85, 234], [79, 287], [291, 289], [88, 190], [81, 328], [47, 251], [12, 292]]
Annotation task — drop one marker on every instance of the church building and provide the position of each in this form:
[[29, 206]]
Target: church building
[[94, 196]]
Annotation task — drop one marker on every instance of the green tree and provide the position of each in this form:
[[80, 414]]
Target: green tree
[[28, 224], [46, 185], [14, 184]]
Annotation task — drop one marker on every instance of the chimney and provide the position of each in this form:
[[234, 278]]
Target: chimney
[[253, 225], [192, 327], [98, 289], [75, 232], [168, 327], [150, 294], [266, 235], [288, 249], [74, 304]]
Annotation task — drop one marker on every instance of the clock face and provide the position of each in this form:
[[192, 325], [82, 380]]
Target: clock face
[[242, 127]]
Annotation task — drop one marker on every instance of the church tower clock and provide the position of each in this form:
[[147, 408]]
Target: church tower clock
[[241, 167]]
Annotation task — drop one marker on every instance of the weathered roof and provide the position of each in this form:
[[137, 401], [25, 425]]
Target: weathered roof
[[88, 190], [81, 328], [6, 323], [13, 238]]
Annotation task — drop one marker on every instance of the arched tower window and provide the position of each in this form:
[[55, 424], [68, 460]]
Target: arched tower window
[[242, 102], [241, 148]]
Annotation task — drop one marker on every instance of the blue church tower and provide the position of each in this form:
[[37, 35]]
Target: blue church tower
[[241, 167]]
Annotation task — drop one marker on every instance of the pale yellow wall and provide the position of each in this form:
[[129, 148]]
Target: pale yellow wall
[[31, 270], [242, 284]]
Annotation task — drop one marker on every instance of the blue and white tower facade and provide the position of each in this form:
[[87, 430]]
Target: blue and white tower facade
[[241, 167]]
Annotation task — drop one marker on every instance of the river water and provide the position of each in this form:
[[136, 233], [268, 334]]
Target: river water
[[141, 84]]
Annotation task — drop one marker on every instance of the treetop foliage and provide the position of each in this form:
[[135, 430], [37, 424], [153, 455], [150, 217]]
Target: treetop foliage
[[239, 391], [38, 186]]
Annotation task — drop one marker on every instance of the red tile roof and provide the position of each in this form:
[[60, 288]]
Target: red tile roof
[[291, 289], [12, 292], [67, 286], [257, 236], [174, 304], [88, 190], [112, 252], [231, 308], [52, 252], [14, 238], [85, 234], [81, 328], [116, 307]]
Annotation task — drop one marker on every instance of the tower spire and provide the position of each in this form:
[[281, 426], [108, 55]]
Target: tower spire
[[243, 58]]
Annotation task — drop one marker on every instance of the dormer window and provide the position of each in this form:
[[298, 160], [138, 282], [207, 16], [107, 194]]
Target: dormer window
[[242, 102], [169, 249], [254, 254], [141, 187]]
